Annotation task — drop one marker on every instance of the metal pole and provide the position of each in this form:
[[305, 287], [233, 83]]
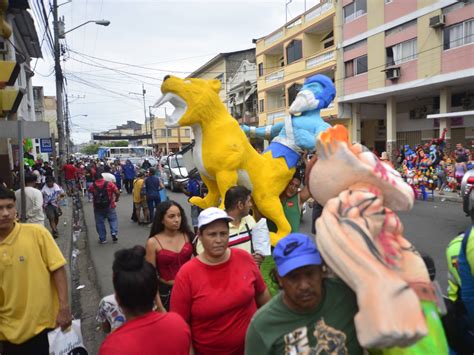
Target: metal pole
[[54, 156], [68, 131], [166, 130], [21, 162], [144, 110], [59, 92]]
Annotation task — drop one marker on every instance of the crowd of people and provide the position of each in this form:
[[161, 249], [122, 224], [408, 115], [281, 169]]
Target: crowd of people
[[430, 167], [201, 288]]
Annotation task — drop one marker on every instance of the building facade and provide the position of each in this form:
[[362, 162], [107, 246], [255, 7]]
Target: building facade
[[166, 140], [231, 69], [19, 44], [286, 57], [405, 70]]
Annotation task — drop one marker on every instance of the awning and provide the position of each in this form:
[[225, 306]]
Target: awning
[[450, 114]]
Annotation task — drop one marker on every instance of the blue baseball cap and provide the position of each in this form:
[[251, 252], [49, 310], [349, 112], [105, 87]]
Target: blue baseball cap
[[294, 251]]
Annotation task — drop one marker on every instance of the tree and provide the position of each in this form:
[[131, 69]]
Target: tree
[[90, 149]]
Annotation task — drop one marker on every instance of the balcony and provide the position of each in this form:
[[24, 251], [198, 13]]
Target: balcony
[[275, 76], [276, 116], [320, 59], [299, 23]]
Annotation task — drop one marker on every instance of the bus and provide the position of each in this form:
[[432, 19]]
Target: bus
[[113, 153]]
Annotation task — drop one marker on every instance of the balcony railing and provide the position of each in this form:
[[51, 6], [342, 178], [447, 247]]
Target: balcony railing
[[319, 11], [274, 37], [275, 76], [320, 59], [271, 117]]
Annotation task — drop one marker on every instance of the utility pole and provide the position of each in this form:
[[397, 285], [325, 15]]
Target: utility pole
[[243, 99], [59, 91], [68, 130], [144, 110], [152, 119]]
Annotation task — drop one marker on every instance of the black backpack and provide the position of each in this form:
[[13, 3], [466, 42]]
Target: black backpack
[[101, 197]]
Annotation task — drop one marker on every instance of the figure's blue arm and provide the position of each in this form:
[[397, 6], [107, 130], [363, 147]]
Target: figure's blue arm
[[266, 132]]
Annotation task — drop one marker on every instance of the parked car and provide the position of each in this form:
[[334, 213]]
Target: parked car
[[467, 193], [174, 171]]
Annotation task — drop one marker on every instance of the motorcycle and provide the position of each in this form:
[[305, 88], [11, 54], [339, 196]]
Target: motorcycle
[[467, 193]]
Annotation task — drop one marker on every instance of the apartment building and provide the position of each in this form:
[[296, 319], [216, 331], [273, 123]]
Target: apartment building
[[301, 48], [406, 70], [167, 140], [19, 45], [237, 73]]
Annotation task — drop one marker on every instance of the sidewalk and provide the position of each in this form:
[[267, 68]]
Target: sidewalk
[[446, 196]]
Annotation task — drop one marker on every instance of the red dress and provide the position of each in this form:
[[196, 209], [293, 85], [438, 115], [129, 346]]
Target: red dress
[[169, 262]]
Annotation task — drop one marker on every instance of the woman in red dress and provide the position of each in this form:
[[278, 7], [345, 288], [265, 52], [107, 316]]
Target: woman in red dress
[[168, 247]]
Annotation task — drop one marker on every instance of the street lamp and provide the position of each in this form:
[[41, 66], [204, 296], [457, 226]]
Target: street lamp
[[62, 33]]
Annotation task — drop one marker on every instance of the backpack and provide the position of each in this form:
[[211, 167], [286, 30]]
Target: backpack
[[101, 197]]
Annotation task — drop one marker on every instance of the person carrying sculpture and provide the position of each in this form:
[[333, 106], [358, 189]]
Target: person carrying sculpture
[[237, 203], [313, 312]]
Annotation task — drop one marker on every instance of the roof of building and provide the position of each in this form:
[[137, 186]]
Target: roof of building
[[216, 59]]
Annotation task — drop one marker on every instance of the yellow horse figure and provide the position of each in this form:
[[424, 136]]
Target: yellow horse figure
[[222, 152]]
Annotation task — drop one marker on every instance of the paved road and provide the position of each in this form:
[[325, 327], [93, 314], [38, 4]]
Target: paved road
[[430, 226]]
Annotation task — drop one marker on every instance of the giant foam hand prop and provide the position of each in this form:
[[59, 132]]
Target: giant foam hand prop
[[361, 239]]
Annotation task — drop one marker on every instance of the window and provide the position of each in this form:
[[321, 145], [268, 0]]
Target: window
[[221, 78], [260, 69], [261, 105], [328, 40], [170, 132], [294, 51], [163, 132], [293, 91], [402, 52], [355, 45], [356, 66], [459, 34], [400, 28], [354, 10], [187, 133], [388, 1]]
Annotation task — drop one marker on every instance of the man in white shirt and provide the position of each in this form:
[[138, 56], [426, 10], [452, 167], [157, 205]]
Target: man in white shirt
[[34, 201]]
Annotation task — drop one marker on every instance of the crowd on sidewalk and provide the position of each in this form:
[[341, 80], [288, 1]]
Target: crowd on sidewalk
[[431, 167], [217, 289]]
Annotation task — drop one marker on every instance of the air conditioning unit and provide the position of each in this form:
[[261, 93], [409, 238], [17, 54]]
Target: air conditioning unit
[[392, 73], [437, 21]]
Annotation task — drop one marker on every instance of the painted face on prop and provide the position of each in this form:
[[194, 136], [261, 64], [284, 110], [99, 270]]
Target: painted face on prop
[[361, 239]]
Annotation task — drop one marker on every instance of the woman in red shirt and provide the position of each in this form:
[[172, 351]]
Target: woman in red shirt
[[168, 247], [146, 332], [218, 292]]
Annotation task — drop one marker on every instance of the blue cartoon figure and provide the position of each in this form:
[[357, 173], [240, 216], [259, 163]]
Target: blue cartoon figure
[[298, 132]]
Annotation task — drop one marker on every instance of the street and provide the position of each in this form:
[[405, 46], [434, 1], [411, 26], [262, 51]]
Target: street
[[429, 226]]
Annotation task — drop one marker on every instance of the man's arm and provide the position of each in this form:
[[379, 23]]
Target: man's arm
[[263, 298], [63, 318], [254, 343]]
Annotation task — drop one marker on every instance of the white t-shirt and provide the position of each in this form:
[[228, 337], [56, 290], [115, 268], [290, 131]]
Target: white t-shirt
[[34, 205], [51, 194], [110, 311]]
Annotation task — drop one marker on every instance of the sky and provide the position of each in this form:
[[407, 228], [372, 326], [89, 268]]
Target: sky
[[145, 41]]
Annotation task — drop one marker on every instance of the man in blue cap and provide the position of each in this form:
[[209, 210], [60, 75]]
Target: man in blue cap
[[312, 312]]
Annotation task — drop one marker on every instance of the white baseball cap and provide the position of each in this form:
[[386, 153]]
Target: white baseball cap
[[212, 214]]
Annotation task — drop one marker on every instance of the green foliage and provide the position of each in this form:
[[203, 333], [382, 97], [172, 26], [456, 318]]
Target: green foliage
[[90, 149]]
